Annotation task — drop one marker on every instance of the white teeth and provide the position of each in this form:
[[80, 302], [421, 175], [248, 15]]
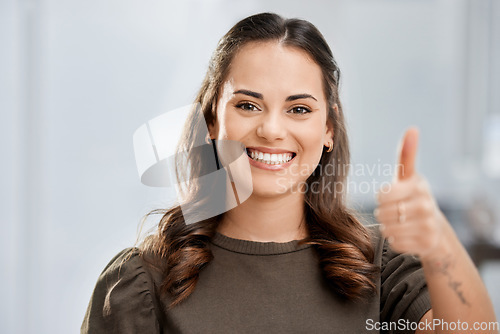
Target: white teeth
[[270, 159]]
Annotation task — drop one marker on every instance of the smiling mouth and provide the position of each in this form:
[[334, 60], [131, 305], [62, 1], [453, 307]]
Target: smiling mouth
[[270, 158]]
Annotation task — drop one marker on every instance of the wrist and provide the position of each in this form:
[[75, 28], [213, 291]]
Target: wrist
[[444, 245]]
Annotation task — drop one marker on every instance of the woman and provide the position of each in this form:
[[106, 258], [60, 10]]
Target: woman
[[291, 258]]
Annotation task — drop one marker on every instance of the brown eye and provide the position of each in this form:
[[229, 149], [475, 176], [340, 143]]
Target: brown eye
[[300, 110], [247, 107]]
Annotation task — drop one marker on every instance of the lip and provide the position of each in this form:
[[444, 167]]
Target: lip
[[270, 149], [262, 165]]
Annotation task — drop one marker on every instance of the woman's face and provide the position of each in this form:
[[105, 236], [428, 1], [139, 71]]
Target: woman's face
[[273, 102]]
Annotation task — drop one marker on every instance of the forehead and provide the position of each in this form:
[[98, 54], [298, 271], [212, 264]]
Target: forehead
[[275, 68]]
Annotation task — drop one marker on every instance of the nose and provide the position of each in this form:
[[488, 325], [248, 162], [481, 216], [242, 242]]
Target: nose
[[272, 126]]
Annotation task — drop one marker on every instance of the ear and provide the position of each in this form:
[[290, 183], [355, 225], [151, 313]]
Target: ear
[[336, 108], [329, 125], [329, 130]]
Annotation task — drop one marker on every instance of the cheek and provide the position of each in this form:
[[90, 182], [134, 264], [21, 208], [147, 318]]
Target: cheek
[[313, 139], [312, 156], [231, 126], [230, 131]]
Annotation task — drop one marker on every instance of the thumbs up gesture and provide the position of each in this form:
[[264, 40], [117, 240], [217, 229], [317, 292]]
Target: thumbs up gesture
[[409, 215]]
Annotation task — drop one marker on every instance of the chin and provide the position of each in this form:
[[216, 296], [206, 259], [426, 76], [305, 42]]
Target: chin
[[267, 193], [270, 187]]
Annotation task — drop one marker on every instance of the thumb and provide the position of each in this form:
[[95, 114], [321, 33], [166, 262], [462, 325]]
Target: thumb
[[407, 154]]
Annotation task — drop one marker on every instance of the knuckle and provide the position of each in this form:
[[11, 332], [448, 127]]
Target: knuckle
[[379, 217], [421, 208], [421, 188], [383, 228], [427, 207]]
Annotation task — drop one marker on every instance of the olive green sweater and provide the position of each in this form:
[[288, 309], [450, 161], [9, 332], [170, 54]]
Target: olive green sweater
[[255, 287]]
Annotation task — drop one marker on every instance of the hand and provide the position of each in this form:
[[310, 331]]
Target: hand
[[409, 215]]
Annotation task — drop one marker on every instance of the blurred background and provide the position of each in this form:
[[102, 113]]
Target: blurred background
[[78, 77]]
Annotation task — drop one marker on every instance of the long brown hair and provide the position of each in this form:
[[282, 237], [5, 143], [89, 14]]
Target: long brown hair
[[180, 251]]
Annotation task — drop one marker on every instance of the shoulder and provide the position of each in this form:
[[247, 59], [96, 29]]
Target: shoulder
[[124, 297], [126, 269], [123, 264]]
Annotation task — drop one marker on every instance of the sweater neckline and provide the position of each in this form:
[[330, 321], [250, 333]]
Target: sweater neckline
[[256, 247]]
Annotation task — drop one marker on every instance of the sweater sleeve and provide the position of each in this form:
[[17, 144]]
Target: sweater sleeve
[[122, 301], [404, 293]]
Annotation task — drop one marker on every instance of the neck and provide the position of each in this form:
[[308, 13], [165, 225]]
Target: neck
[[278, 219]]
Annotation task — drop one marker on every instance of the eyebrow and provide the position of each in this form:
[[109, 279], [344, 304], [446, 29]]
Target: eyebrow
[[300, 96], [261, 97]]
